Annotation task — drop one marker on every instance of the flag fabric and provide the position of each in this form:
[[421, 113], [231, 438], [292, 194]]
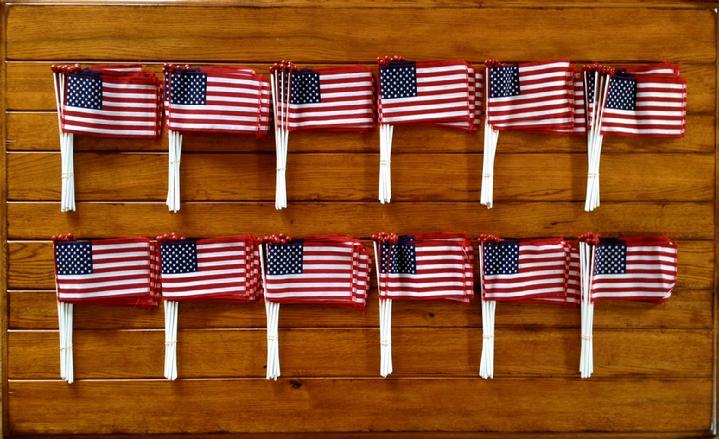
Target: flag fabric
[[112, 101], [223, 99], [635, 268], [476, 90], [108, 271], [527, 269], [337, 98], [573, 289], [429, 266], [534, 96], [224, 269], [644, 103], [426, 92], [329, 269]]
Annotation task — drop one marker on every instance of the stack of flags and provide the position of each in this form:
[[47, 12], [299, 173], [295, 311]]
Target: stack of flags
[[442, 93], [215, 99], [427, 266], [334, 98], [648, 101], [532, 97], [634, 268], [123, 271], [327, 270], [526, 270], [224, 269], [120, 101]]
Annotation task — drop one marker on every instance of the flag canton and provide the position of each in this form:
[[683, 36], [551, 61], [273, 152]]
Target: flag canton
[[84, 90], [285, 258], [611, 257], [590, 87], [400, 258], [73, 258], [305, 87], [504, 81], [622, 93], [189, 88], [179, 256], [398, 80], [501, 258]]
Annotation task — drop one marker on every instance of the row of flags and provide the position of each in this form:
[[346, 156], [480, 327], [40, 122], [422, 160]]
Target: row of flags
[[335, 270], [544, 97]]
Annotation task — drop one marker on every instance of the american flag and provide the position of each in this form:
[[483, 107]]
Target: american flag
[[112, 103], [217, 268], [425, 92], [524, 269], [327, 270], [580, 122], [340, 98], [426, 267], [109, 271], [223, 99], [476, 101], [534, 96], [634, 269], [645, 105], [573, 289]]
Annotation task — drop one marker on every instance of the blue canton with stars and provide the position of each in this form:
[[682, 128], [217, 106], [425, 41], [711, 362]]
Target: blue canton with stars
[[611, 257], [84, 90], [501, 257], [285, 258], [305, 87], [179, 256], [398, 80], [400, 258], [590, 87], [73, 258], [189, 88], [622, 94], [504, 81]]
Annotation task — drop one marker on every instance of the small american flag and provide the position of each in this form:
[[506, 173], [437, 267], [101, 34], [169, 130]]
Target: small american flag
[[112, 103], [645, 105], [425, 92], [427, 267], [217, 268], [524, 269], [109, 271], [327, 270], [635, 269], [534, 96], [223, 99], [340, 98]]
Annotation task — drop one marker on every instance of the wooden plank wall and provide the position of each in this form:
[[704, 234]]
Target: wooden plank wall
[[654, 364]]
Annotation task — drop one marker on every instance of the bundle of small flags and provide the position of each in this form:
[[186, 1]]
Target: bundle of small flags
[[526, 270], [334, 98], [427, 266], [120, 101], [123, 271], [215, 99], [224, 269], [533, 97], [441, 93], [635, 268], [646, 101], [327, 270]]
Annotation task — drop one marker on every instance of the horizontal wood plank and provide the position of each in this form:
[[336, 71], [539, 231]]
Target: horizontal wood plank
[[687, 309], [353, 177], [30, 85], [142, 33], [467, 404], [43, 219], [355, 353], [37, 131]]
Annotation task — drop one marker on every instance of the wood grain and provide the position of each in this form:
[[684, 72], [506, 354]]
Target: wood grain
[[77, 32], [353, 177], [468, 404], [34, 131], [679, 220]]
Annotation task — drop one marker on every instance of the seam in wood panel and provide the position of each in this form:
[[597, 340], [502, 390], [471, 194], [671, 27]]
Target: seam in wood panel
[[4, 311], [713, 428]]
